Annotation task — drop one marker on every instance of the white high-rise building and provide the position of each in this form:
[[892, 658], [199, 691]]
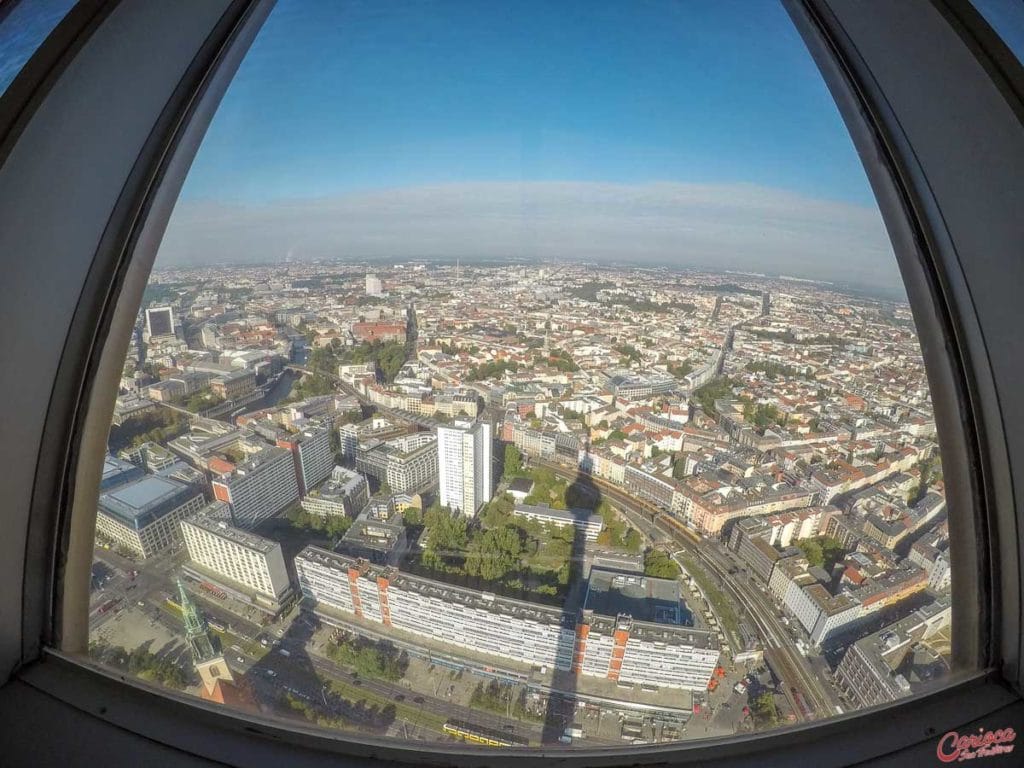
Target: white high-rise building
[[374, 287], [464, 465], [240, 557]]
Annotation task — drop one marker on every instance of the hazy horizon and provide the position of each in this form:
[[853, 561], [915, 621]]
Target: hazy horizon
[[648, 132]]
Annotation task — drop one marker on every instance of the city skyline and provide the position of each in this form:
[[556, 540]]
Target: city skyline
[[401, 133]]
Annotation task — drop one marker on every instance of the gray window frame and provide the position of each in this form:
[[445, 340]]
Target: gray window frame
[[75, 270]]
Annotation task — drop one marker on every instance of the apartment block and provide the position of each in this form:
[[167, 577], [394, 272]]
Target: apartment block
[[312, 454], [258, 488], [618, 647], [242, 558]]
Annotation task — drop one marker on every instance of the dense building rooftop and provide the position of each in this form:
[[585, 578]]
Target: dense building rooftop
[[139, 503], [659, 601]]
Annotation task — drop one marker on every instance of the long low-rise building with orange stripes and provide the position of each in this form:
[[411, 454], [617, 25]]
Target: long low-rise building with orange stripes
[[620, 647]]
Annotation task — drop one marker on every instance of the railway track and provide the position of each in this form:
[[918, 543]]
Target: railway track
[[791, 668]]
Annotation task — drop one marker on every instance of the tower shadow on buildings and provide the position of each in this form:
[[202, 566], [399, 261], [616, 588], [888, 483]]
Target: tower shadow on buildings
[[582, 497]]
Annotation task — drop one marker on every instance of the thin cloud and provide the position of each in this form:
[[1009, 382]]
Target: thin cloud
[[737, 226]]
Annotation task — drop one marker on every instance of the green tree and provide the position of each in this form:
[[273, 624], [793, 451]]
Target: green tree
[[679, 468], [681, 370], [495, 553], [513, 460], [715, 389], [446, 533], [632, 542], [812, 551], [413, 516], [379, 660], [763, 710], [659, 565]]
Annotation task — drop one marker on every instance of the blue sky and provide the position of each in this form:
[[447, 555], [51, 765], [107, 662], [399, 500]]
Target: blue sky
[[336, 96], [346, 101]]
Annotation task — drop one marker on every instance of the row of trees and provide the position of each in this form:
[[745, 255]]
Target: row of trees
[[331, 526], [513, 462], [342, 713], [926, 467]]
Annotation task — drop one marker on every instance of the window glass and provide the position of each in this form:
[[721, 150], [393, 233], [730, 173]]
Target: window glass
[[24, 25], [526, 374], [1007, 19]]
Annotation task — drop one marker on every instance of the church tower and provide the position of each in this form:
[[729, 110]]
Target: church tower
[[205, 646]]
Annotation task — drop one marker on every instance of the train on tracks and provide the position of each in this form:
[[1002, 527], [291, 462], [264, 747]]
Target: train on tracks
[[477, 734]]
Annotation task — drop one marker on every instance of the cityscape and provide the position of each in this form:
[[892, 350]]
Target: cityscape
[[522, 504]]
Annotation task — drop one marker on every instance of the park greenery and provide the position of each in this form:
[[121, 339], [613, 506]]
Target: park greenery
[[588, 292], [646, 305], [774, 370], [200, 401], [822, 550], [616, 534], [762, 415], [730, 288], [659, 565], [492, 370], [374, 660], [141, 663], [716, 389], [501, 552], [680, 370], [562, 361], [155, 426], [790, 338], [498, 552], [160, 294], [388, 358], [628, 353]]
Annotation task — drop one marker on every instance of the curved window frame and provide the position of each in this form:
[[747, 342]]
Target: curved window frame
[[76, 358]]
